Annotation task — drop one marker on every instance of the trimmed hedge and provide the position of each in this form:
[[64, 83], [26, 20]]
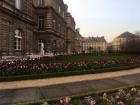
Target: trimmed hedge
[[69, 73]]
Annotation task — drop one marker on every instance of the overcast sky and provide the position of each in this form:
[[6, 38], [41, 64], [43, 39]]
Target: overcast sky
[[107, 18]]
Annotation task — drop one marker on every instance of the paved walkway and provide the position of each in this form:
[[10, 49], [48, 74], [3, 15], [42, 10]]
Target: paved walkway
[[30, 90], [63, 80]]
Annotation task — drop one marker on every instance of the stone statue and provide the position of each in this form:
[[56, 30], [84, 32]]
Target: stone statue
[[42, 52]]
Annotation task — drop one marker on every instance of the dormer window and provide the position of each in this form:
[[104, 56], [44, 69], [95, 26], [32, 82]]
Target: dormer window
[[18, 4]]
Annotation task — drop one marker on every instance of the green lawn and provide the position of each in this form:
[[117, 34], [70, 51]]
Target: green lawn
[[91, 58], [96, 57]]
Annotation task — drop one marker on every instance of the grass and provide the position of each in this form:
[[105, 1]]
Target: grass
[[95, 58], [76, 58]]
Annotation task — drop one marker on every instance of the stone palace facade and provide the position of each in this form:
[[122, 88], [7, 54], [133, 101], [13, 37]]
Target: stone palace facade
[[94, 44], [25, 24]]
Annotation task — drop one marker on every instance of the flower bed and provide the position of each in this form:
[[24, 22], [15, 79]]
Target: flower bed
[[31, 66], [124, 96]]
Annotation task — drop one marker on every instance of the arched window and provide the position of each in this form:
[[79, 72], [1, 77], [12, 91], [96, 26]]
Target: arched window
[[18, 4], [18, 38]]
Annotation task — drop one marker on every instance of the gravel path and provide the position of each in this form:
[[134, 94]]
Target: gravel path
[[63, 80]]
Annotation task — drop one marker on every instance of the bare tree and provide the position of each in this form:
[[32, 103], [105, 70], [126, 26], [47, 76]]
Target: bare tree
[[137, 33], [131, 46]]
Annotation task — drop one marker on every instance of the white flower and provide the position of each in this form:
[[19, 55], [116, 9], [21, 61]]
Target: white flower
[[45, 103]]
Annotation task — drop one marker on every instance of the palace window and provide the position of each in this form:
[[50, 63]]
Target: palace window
[[63, 14], [18, 38], [18, 4], [54, 24], [41, 20], [40, 2], [59, 28], [59, 9]]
